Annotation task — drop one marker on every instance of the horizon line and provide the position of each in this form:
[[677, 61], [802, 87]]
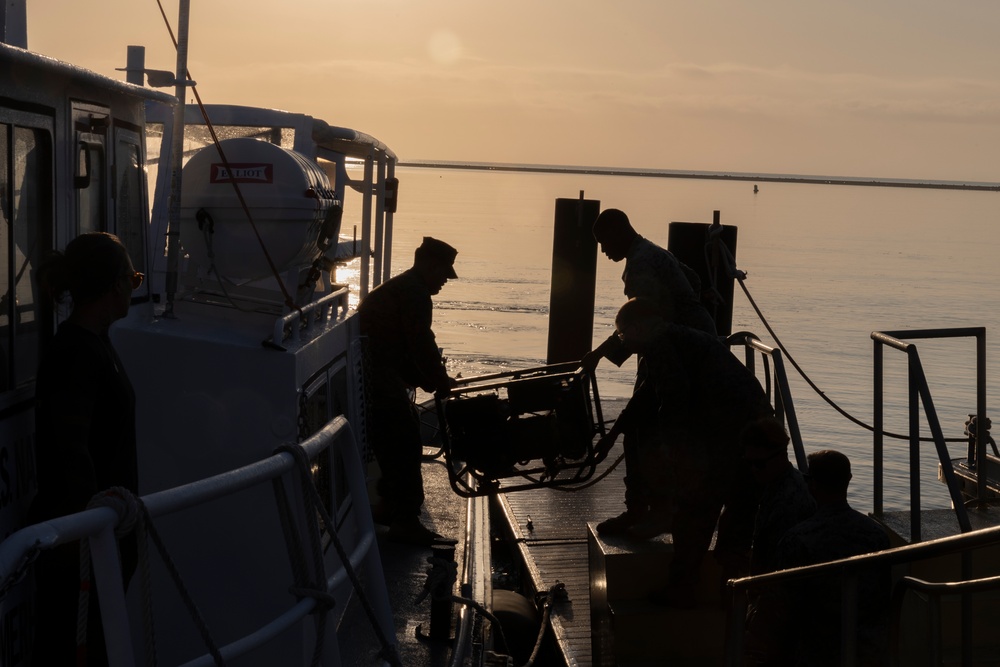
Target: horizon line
[[708, 175]]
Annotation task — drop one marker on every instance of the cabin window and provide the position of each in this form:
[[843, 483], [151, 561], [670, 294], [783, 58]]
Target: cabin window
[[130, 212], [25, 234], [90, 184], [324, 398]]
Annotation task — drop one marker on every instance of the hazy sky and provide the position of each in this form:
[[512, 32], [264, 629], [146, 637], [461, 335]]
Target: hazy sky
[[887, 88]]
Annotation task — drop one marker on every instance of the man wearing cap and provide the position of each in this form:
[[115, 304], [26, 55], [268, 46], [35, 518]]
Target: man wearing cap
[[653, 273], [403, 355]]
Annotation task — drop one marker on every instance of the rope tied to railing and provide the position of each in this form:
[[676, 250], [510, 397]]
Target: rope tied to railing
[[740, 276], [315, 507], [134, 516], [309, 573]]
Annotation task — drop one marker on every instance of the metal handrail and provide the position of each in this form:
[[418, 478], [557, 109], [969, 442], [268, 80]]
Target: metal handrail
[[919, 395], [98, 524], [319, 310], [848, 568], [780, 394], [935, 591]]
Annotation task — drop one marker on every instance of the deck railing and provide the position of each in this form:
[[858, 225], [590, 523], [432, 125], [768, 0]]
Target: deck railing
[[320, 310], [919, 395], [849, 569], [775, 385], [98, 525]]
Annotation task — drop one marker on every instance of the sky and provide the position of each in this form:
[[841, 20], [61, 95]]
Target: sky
[[858, 88]]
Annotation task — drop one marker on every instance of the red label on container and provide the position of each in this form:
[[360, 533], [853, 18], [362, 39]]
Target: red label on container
[[242, 173]]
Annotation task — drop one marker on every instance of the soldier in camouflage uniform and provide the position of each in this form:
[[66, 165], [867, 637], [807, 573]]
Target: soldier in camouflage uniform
[[702, 397], [396, 317], [653, 273]]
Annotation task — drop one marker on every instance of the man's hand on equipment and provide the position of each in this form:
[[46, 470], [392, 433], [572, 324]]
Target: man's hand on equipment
[[590, 361]]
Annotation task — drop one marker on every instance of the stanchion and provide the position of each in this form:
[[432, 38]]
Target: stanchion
[[440, 580]]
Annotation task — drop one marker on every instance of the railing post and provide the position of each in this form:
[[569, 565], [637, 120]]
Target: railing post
[[966, 612], [366, 232], [736, 627], [981, 489], [878, 421], [390, 173], [108, 576], [849, 618], [935, 627], [788, 409], [378, 190], [914, 403]]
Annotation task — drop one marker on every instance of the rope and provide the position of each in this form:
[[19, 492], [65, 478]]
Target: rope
[[315, 506], [207, 226], [740, 276], [134, 516], [813, 385], [175, 575], [558, 589], [309, 582], [289, 302]]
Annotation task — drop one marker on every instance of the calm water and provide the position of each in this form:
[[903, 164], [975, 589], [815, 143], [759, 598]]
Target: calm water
[[826, 264]]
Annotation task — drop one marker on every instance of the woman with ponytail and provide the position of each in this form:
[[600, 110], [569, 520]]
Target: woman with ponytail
[[84, 431]]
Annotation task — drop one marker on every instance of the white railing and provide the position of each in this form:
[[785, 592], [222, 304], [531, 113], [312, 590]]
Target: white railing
[[319, 310], [98, 526]]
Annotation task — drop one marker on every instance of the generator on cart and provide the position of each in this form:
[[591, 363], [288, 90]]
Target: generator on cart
[[521, 429]]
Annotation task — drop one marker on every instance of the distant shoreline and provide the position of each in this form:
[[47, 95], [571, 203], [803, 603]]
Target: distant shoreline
[[708, 175]]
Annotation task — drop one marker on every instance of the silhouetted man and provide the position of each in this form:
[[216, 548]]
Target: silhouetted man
[[653, 273], [701, 397], [396, 317]]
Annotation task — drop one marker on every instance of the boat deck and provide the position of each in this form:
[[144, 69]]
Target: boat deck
[[406, 573], [550, 527]]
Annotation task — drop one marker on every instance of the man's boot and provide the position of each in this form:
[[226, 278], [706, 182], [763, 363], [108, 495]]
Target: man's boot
[[619, 525]]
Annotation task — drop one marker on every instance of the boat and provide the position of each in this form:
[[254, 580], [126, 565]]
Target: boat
[[248, 354], [255, 473]]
